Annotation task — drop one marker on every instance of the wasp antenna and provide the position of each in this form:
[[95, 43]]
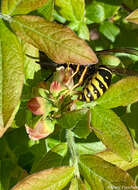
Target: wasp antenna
[[32, 57]]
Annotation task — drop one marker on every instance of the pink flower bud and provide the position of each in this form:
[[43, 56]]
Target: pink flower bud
[[63, 76], [59, 74], [55, 87], [41, 130], [36, 105]]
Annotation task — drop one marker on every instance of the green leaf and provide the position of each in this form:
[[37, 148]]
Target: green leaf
[[56, 40], [103, 175], [128, 60], [54, 179], [27, 152], [83, 31], [112, 132], [82, 128], [47, 10], [1, 78], [116, 160], [122, 93], [95, 12], [65, 9], [132, 4], [133, 17], [14, 7], [122, 39], [5, 165], [7, 6], [51, 159], [78, 120], [89, 148], [110, 60], [134, 173], [10, 146], [88, 187], [51, 142], [74, 14], [131, 120], [78, 10], [37, 149], [19, 148], [76, 184], [70, 119], [69, 10], [30, 66], [11, 76], [109, 30], [10, 173], [110, 7]]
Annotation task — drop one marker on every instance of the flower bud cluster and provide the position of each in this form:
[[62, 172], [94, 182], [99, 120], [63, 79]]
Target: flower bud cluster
[[41, 108]]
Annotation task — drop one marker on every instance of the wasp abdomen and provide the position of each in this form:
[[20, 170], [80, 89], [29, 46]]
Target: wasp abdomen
[[97, 85]]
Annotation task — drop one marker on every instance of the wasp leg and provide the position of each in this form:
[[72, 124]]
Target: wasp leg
[[68, 67], [48, 77], [80, 80], [77, 70]]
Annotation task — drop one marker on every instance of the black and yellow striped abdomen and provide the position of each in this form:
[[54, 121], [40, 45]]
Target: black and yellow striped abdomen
[[97, 85]]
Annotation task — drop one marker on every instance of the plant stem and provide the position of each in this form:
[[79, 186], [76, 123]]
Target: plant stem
[[118, 50], [74, 156], [5, 17]]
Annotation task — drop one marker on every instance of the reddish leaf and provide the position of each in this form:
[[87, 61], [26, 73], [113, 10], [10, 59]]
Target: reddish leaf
[[11, 76], [59, 42], [14, 7], [54, 179]]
